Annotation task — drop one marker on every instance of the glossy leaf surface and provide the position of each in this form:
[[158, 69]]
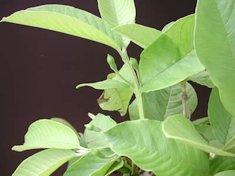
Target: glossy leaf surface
[[68, 20], [160, 69], [150, 150], [181, 129]]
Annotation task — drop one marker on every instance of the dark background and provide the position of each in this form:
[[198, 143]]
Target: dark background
[[39, 71]]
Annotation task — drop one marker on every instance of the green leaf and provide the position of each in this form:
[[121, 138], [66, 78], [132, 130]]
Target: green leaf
[[49, 134], [226, 173], [160, 104], [95, 139], [116, 166], [63, 121], [219, 164], [202, 78], [181, 129], [68, 20], [230, 144], [168, 26], [91, 164], [171, 58], [116, 100], [223, 125], [106, 84], [148, 148], [215, 45], [139, 34], [204, 120], [118, 12], [205, 131], [181, 33], [44, 163]]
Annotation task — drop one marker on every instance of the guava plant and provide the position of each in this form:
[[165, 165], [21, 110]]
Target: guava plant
[[159, 139]]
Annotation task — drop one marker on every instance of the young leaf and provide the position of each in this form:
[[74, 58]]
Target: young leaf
[[139, 34], [106, 84], [181, 129], [221, 121], [95, 139], [163, 103], [68, 20], [49, 134], [148, 148], [118, 12], [226, 173], [44, 163], [219, 164], [91, 164], [215, 45], [116, 100]]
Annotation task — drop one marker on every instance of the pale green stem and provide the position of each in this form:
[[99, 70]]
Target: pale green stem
[[137, 86], [184, 97]]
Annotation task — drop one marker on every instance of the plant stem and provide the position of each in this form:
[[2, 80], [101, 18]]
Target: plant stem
[[184, 97], [137, 86]]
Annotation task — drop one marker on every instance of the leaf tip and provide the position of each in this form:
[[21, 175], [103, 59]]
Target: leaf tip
[[17, 148], [4, 19]]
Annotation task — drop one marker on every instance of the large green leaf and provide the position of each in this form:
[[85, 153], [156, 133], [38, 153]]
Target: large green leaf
[[44, 163], [139, 34], [160, 104], [117, 12], [215, 45], [219, 164], [94, 138], [68, 20], [49, 134], [91, 164], [226, 173], [144, 143], [223, 125], [181, 129], [171, 58]]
